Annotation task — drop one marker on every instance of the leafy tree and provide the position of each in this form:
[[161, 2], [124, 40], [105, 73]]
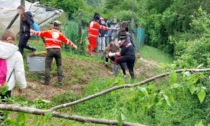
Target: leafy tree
[[69, 6]]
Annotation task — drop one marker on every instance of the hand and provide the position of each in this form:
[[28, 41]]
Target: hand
[[32, 31], [117, 54], [111, 54], [20, 91], [75, 46]]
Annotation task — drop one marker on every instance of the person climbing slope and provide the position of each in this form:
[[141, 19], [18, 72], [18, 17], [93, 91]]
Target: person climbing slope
[[126, 55], [14, 64], [53, 43], [26, 24]]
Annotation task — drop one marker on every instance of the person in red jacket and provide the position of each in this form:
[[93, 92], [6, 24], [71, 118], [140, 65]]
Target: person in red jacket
[[93, 33], [53, 43]]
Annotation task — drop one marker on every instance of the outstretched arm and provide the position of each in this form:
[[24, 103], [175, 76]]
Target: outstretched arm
[[67, 41], [39, 33]]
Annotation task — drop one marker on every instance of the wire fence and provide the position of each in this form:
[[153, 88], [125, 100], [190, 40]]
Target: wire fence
[[43, 16], [139, 38], [9, 17], [70, 29]]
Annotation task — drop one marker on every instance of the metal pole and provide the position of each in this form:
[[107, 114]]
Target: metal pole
[[12, 22]]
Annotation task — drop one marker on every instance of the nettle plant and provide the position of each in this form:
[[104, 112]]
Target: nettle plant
[[177, 86], [186, 81]]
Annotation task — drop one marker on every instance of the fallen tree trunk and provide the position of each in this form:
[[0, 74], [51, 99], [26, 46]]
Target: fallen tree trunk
[[35, 111], [89, 119], [125, 86]]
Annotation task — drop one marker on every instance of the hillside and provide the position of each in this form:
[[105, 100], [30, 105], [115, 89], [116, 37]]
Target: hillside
[[85, 76], [80, 71]]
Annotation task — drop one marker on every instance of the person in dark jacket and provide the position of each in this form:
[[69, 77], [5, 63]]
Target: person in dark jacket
[[124, 25], [129, 36], [126, 55], [26, 24], [107, 24]]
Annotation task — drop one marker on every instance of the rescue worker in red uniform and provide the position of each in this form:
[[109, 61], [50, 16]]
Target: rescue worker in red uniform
[[53, 43], [93, 33]]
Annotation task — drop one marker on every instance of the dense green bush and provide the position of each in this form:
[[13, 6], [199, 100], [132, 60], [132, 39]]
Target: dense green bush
[[183, 100], [193, 49], [70, 29]]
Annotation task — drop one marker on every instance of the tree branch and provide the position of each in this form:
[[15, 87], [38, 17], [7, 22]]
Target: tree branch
[[88, 119], [35, 111], [125, 86]]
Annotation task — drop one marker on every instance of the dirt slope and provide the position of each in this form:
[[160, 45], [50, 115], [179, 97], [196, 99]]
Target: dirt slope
[[77, 74]]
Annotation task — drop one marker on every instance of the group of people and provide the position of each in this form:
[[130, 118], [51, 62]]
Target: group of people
[[121, 53], [120, 48], [100, 33], [11, 59]]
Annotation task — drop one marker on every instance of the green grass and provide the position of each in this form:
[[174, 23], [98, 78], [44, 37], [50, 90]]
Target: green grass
[[131, 103], [155, 54]]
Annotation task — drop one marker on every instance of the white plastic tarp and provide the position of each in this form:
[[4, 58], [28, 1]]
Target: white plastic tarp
[[41, 14]]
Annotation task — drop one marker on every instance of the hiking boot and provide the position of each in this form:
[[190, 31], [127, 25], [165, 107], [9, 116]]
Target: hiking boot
[[111, 73], [60, 82], [106, 64], [45, 82], [115, 69], [33, 50]]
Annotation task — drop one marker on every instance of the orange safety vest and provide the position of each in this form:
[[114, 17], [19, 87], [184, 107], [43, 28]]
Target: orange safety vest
[[93, 29], [54, 38]]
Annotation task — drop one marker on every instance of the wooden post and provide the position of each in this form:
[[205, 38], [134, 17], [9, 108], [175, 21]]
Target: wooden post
[[132, 22], [22, 3], [81, 44]]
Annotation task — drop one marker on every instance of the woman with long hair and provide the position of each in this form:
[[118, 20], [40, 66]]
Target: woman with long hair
[[26, 24], [14, 60], [12, 67]]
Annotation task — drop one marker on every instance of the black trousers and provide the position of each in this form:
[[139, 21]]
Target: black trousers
[[130, 64], [7, 95], [112, 58], [53, 53], [23, 42]]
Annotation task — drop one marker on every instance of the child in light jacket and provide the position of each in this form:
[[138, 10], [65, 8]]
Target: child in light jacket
[[14, 61]]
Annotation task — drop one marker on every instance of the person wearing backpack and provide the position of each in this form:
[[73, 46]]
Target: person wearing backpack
[[27, 23], [11, 64]]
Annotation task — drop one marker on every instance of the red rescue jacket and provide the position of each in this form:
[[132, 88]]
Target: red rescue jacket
[[93, 29], [54, 38]]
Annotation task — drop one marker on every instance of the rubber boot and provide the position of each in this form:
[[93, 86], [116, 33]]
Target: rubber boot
[[115, 69]]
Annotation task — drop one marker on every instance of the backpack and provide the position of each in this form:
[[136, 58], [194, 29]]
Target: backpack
[[3, 72], [36, 28], [35, 25]]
